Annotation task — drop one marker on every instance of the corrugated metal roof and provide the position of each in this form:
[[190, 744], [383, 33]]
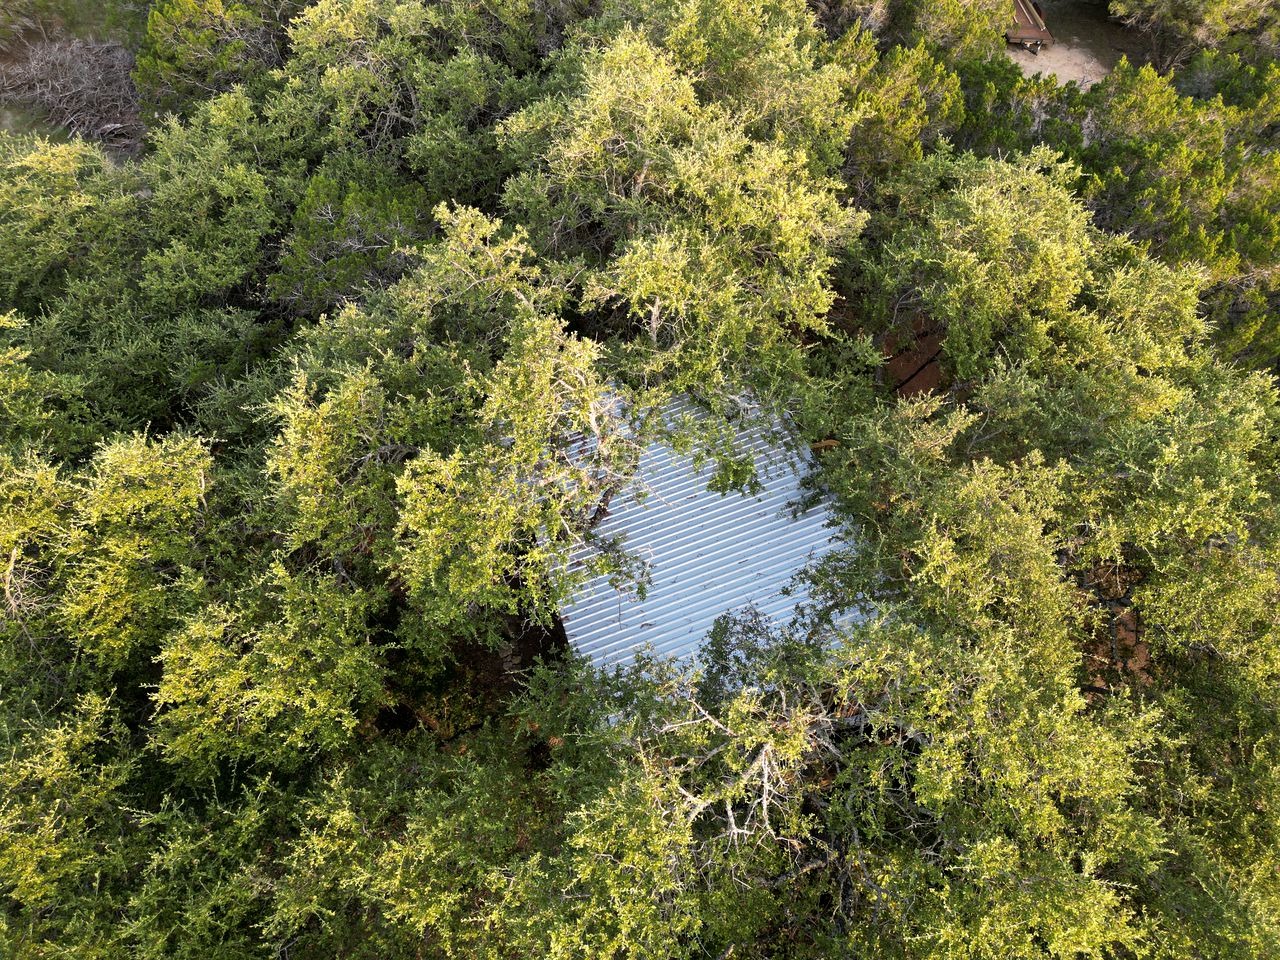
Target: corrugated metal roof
[[707, 554]]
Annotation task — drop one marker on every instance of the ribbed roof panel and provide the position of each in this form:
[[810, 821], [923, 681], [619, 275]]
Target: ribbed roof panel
[[707, 553]]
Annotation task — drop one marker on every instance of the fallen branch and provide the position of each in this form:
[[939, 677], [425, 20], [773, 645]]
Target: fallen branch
[[83, 86]]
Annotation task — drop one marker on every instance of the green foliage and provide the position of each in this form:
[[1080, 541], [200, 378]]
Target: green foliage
[[674, 205], [765, 62], [910, 102], [210, 211], [1186, 181], [1175, 30], [50, 195], [508, 511], [1170, 159], [199, 893], [1003, 246], [132, 544], [1183, 174], [1008, 112], [293, 684], [964, 29], [350, 231], [63, 814], [195, 49], [37, 407], [116, 547], [137, 270], [405, 76], [307, 412], [1004, 520]]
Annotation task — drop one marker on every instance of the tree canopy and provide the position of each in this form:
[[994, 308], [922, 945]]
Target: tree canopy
[[306, 406]]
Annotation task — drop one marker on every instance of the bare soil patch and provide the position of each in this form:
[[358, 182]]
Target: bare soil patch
[[1088, 43]]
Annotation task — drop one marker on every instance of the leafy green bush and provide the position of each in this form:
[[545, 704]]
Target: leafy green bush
[[306, 413]]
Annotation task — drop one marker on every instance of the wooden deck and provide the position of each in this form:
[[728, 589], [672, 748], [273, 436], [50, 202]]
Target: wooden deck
[[1028, 29]]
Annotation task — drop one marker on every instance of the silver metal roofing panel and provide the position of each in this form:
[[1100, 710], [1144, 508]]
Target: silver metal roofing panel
[[707, 553]]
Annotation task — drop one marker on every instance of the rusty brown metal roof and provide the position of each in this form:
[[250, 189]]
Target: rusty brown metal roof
[[1028, 26]]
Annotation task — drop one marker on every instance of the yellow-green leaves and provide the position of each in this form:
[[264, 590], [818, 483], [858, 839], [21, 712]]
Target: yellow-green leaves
[[288, 676], [493, 524], [49, 192], [325, 460], [133, 539], [714, 241], [61, 806]]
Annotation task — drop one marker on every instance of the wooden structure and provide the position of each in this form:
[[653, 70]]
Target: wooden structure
[[1028, 28]]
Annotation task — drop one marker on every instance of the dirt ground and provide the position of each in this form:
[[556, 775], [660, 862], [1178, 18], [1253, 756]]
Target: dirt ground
[[1088, 43], [20, 121]]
